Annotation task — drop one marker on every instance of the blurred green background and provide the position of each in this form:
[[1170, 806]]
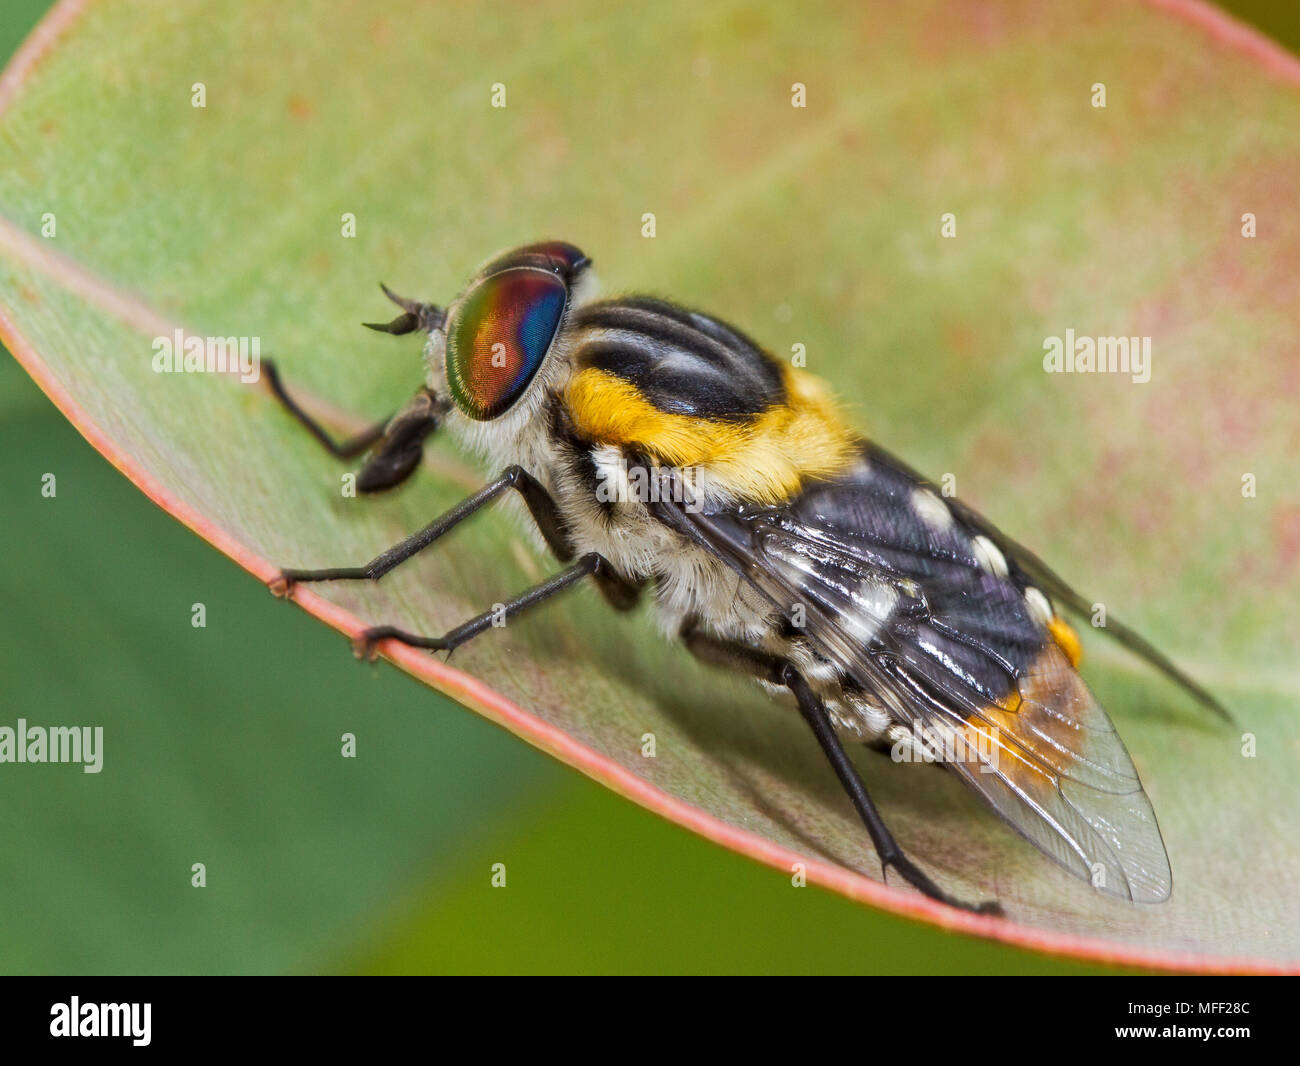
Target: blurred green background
[[243, 715]]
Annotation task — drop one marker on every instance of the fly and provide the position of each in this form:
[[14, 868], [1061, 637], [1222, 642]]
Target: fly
[[658, 448]]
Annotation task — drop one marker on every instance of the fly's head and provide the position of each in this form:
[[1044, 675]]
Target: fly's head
[[488, 352], [501, 331]]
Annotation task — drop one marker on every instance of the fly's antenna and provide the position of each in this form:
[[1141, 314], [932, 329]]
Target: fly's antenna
[[416, 316]]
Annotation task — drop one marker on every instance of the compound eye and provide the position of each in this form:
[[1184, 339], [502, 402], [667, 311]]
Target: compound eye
[[572, 258], [499, 337]]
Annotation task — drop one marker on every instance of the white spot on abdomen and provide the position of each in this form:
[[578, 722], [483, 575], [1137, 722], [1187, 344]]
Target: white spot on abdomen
[[873, 602], [989, 557], [1040, 608], [933, 511]]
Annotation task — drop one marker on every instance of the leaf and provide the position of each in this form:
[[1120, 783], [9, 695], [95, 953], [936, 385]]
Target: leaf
[[816, 225]]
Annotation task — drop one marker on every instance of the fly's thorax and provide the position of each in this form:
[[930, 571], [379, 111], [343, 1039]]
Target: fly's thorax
[[689, 392]]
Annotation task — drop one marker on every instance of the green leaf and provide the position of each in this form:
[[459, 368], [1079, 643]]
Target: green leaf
[[816, 225]]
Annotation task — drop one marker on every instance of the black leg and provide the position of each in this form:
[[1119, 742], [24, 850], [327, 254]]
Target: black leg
[[399, 438], [776, 670], [397, 442], [731, 654], [587, 566], [397, 452], [346, 449], [620, 592], [514, 478], [814, 713]]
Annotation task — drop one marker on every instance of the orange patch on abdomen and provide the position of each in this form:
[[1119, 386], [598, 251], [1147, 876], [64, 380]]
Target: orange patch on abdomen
[[1066, 639]]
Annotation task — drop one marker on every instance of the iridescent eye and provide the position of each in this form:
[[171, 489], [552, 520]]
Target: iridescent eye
[[572, 258], [499, 336]]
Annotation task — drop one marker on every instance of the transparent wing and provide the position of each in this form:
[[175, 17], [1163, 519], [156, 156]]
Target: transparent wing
[[920, 608]]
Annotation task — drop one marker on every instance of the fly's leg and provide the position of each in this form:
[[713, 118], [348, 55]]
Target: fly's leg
[[617, 590], [731, 654], [540, 506], [778, 671], [814, 713], [590, 565], [344, 449], [397, 442]]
